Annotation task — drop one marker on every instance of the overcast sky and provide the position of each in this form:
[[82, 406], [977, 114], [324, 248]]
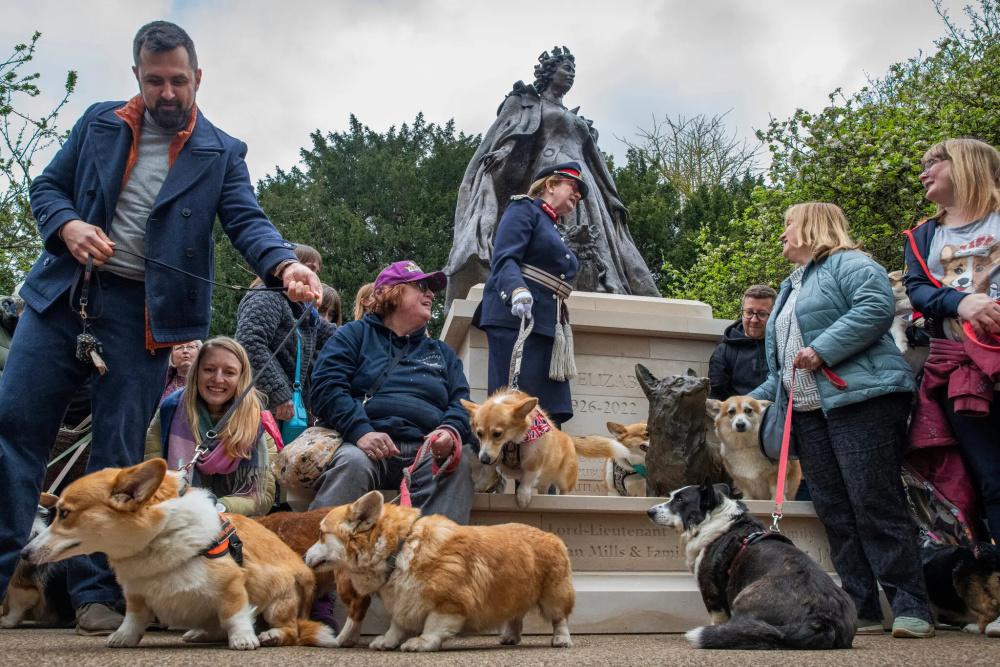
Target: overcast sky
[[275, 71]]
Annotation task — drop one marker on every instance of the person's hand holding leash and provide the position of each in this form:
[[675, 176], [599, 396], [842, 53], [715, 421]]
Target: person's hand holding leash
[[520, 304], [84, 239], [377, 446], [807, 359], [982, 312], [442, 444], [302, 284], [285, 411]]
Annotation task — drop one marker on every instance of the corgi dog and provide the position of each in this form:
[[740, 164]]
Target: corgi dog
[[437, 578], [625, 474], [38, 592], [737, 421], [904, 309], [176, 558], [299, 531], [519, 439]]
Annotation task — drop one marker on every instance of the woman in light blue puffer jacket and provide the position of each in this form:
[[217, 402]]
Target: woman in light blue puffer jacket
[[835, 310]]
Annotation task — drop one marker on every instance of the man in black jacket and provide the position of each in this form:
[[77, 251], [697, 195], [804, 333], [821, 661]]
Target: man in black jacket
[[738, 365]]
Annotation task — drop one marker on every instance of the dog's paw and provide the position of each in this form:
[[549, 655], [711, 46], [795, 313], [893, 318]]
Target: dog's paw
[[562, 641], [380, 643], [971, 628], [243, 642], [419, 645], [694, 636], [9, 621], [270, 637], [523, 496], [510, 639], [993, 629], [119, 639]]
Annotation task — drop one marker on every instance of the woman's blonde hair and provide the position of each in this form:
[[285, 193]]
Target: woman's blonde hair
[[539, 187], [240, 434], [975, 175], [364, 293], [822, 228]]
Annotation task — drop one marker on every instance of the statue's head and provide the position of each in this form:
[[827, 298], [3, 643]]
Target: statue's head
[[555, 71]]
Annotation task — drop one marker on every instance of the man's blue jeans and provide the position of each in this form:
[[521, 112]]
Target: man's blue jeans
[[39, 379]]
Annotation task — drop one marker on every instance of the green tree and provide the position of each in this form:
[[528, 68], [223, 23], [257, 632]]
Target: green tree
[[21, 137], [863, 153], [364, 200]]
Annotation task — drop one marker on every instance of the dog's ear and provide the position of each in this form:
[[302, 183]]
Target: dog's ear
[[48, 501], [722, 488], [472, 408], [616, 429], [712, 408], [647, 380], [134, 486], [707, 501], [365, 511], [764, 403], [524, 408]]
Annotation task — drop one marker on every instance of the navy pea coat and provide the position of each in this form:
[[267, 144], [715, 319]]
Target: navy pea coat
[[526, 235], [209, 178]]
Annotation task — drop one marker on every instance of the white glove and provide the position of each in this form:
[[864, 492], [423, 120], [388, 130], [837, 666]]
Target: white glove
[[520, 304]]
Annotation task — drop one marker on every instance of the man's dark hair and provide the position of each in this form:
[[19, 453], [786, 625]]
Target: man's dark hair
[[161, 37], [760, 292]]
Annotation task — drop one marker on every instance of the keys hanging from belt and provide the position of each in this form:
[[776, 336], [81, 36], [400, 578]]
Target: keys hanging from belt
[[88, 348]]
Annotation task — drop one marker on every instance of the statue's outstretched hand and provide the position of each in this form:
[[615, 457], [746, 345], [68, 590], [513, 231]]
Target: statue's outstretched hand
[[493, 158]]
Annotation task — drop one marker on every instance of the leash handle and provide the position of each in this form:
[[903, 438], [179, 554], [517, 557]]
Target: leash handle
[[527, 324], [970, 333]]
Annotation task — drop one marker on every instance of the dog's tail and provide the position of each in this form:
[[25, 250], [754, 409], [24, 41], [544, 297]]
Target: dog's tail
[[314, 633], [599, 447], [751, 634]]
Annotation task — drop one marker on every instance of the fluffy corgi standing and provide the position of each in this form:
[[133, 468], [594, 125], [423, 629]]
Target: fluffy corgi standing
[[516, 436], [737, 422], [171, 560], [625, 474], [437, 578], [38, 592]]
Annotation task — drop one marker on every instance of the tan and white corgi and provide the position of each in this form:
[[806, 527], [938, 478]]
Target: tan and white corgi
[[174, 561], [437, 578], [519, 439], [625, 474], [737, 422]]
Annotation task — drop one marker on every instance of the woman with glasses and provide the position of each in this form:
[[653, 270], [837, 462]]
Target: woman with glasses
[[833, 313], [738, 366], [952, 277], [387, 388], [181, 358]]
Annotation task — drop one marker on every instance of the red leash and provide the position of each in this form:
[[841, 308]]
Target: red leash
[[786, 438]]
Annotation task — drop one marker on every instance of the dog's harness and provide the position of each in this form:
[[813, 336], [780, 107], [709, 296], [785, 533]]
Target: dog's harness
[[226, 542], [753, 538], [390, 562], [619, 474], [511, 456]]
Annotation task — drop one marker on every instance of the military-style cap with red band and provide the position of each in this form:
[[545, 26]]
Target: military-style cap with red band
[[567, 170]]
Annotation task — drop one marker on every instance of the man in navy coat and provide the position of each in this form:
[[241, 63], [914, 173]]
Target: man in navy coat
[[149, 177]]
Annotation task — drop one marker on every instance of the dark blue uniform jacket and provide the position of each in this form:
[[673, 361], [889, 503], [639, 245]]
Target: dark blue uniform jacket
[[422, 392], [209, 178], [526, 235]]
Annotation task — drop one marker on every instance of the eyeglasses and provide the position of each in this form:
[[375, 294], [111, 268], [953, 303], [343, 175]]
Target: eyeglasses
[[759, 314], [931, 162], [186, 346]]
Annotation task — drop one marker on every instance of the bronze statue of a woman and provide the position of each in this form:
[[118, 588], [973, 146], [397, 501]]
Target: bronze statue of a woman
[[535, 130]]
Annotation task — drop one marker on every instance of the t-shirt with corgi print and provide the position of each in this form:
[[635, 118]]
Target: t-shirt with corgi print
[[967, 259]]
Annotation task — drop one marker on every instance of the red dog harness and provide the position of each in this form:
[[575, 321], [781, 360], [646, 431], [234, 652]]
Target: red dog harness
[[512, 450]]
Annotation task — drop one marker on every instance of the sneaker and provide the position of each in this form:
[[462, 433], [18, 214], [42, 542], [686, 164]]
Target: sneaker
[[869, 627], [97, 619], [912, 628]]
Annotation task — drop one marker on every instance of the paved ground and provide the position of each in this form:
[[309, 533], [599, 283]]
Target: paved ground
[[62, 648]]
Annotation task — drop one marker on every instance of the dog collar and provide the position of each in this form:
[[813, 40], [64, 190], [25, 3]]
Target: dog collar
[[390, 561], [753, 538], [226, 542], [619, 474]]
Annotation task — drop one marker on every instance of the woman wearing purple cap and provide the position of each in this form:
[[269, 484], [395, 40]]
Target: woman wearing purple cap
[[387, 389], [529, 280]]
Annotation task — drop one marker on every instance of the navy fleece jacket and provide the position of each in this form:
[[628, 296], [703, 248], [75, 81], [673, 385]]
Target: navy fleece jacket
[[421, 393]]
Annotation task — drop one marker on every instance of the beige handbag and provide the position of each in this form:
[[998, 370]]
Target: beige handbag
[[307, 457]]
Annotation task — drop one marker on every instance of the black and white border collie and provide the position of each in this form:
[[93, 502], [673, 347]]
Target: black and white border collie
[[761, 591]]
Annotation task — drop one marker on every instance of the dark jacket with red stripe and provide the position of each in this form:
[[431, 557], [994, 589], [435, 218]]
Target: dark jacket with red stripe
[[929, 297]]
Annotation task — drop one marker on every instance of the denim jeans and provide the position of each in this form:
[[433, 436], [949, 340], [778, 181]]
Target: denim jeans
[[352, 474], [40, 378], [851, 457]]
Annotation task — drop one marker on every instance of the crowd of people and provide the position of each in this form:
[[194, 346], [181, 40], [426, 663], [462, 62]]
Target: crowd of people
[[388, 396]]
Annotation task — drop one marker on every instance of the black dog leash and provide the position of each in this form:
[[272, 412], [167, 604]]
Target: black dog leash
[[235, 288]]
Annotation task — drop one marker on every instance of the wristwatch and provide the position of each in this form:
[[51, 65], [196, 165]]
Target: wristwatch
[[284, 264]]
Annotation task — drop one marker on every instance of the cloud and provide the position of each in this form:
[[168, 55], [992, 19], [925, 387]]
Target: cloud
[[276, 71]]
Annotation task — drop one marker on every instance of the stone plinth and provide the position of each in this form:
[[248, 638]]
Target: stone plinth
[[611, 333]]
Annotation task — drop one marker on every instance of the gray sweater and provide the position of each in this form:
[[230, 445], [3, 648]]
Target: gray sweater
[[263, 320]]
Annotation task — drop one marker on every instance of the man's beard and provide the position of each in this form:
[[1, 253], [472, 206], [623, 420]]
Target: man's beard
[[174, 118]]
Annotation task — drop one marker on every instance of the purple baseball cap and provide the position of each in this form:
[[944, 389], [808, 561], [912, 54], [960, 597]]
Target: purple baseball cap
[[409, 272]]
